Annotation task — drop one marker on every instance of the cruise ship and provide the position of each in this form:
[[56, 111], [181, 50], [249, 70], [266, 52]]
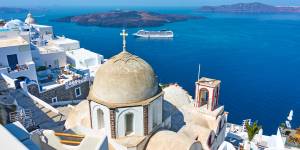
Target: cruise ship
[[154, 34]]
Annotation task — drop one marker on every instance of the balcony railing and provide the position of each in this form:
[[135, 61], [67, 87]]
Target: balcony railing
[[18, 68], [76, 82]]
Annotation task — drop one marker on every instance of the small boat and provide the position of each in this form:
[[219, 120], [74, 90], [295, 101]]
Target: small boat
[[154, 34]]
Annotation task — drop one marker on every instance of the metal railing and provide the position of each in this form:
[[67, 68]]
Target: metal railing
[[24, 116], [76, 82]]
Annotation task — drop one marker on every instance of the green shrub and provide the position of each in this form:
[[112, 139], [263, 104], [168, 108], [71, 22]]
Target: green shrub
[[41, 68]]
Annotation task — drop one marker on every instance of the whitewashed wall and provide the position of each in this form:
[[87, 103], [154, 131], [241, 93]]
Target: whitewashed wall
[[50, 58], [70, 45], [155, 108], [88, 59], [24, 57], [45, 31], [8, 34], [10, 82], [23, 53], [29, 73], [106, 113], [36, 57]]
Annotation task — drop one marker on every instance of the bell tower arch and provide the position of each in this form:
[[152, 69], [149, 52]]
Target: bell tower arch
[[207, 93]]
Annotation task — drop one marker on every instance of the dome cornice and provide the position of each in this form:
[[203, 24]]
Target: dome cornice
[[92, 97]]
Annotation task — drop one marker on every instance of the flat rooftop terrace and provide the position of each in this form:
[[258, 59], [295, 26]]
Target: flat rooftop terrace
[[50, 49], [82, 53], [8, 42], [62, 40]]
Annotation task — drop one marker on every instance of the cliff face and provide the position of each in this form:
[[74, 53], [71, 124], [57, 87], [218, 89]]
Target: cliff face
[[125, 19], [250, 8]]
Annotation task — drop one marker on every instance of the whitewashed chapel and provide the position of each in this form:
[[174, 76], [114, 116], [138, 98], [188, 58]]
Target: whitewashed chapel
[[127, 107]]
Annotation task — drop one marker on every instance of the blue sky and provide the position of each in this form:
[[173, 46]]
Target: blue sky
[[26, 3]]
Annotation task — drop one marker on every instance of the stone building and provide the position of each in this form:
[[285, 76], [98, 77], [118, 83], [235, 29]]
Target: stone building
[[60, 94]]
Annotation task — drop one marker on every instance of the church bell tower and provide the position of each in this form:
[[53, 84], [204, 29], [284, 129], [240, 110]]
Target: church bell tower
[[207, 93]]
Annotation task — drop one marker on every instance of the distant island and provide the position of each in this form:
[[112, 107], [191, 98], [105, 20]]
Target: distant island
[[13, 10], [250, 8], [129, 19]]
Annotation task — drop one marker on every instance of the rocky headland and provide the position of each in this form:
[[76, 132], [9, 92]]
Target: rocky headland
[[128, 19], [250, 8]]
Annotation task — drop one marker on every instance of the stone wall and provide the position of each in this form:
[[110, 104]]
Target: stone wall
[[113, 123], [145, 114], [60, 92]]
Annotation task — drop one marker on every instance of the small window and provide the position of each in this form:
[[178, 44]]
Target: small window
[[54, 100], [128, 123], [78, 92], [100, 118]]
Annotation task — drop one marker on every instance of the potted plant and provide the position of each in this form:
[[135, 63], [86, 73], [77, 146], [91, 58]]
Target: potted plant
[[252, 130]]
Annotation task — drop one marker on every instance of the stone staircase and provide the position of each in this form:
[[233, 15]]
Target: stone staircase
[[43, 117]]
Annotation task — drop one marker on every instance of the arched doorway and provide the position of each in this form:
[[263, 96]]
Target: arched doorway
[[204, 96], [210, 140], [100, 119]]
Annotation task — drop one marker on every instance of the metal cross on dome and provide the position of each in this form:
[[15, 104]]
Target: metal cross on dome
[[124, 34]]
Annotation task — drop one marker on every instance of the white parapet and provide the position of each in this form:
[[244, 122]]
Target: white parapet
[[37, 100]]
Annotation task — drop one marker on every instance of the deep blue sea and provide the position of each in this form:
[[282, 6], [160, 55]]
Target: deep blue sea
[[257, 56]]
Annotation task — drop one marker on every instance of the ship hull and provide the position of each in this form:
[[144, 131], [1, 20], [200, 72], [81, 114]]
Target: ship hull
[[154, 34]]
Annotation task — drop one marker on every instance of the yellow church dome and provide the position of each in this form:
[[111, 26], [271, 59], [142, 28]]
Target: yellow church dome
[[124, 78]]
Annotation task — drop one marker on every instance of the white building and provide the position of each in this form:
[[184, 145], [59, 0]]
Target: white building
[[82, 59], [52, 56], [43, 31], [15, 59], [65, 43], [55, 51], [50, 50], [236, 135], [16, 25], [31, 51]]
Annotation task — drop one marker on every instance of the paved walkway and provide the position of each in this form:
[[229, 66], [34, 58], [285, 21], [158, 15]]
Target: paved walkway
[[42, 117]]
